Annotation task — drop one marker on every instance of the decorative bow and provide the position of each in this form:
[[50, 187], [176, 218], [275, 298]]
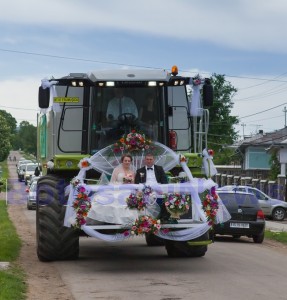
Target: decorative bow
[[208, 164]]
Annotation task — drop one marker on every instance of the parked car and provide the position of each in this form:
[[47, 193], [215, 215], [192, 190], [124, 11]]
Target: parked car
[[272, 208], [29, 172], [33, 178], [22, 162], [247, 218], [31, 197], [22, 170]]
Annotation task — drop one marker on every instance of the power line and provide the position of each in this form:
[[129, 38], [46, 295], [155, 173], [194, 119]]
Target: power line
[[263, 111], [76, 58], [125, 64], [22, 108]]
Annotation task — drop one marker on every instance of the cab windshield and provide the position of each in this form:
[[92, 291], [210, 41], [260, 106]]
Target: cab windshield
[[116, 111]]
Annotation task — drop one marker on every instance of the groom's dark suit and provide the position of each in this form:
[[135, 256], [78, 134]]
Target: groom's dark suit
[[158, 172]]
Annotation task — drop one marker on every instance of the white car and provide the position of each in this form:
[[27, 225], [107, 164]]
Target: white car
[[29, 172], [272, 208]]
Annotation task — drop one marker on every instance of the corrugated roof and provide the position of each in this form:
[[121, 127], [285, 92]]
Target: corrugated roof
[[267, 139]]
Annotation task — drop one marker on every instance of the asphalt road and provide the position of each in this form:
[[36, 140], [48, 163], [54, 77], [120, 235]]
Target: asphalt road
[[130, 270]]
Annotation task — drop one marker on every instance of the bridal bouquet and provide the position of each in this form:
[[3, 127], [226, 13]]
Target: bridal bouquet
[[128, 178]]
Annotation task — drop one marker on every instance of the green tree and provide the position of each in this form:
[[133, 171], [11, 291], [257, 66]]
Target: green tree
[[27, 137], [5, 135], [274, 166], [221, 129], [11, 121]]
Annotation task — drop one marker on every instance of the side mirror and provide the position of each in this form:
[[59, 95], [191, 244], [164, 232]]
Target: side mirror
[[207, 93], [43, 97]]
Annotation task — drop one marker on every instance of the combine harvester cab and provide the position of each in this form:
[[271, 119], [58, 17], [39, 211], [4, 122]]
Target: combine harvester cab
[[86, 122]]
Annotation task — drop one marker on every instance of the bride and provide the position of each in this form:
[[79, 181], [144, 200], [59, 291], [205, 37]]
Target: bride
[[111, 207], [124, 173]]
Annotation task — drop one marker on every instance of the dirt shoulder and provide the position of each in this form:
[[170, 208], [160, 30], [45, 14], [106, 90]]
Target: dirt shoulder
[[43, 280]]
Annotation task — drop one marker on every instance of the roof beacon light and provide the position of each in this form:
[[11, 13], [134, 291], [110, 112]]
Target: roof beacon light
[[174, 70]]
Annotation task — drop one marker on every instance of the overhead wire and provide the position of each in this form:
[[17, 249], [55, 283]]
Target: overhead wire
[[275, 79]]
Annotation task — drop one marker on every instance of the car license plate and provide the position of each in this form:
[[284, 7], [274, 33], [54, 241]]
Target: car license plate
[[239, 225]]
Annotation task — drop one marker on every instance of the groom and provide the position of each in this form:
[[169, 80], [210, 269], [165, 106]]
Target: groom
[[150, 173]]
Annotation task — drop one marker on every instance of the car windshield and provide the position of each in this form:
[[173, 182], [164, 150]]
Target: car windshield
[[31, 167], [33, 187]]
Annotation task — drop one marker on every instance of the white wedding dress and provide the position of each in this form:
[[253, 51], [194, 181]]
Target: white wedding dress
[[110, 206]]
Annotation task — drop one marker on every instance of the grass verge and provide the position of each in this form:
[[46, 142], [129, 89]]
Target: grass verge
[[4, 174], [12, 284], [277, 236]]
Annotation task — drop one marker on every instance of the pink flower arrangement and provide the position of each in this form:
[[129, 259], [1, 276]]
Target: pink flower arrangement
[[177, 203], [132, 141], [141, 199], [145, 224]]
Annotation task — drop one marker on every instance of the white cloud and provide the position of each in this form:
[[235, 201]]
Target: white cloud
[[19, 97], [241, 24]]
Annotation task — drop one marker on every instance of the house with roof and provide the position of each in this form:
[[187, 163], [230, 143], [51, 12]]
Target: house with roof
[[256, 152]]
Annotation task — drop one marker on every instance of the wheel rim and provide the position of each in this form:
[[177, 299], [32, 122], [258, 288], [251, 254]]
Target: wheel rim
[[279, 214]]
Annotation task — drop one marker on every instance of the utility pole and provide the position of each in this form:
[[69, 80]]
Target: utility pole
[[285, 111], [243, 125]]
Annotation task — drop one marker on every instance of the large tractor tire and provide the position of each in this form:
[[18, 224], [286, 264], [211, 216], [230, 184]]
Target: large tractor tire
[[153, 240], [183, 249], [54, 241]]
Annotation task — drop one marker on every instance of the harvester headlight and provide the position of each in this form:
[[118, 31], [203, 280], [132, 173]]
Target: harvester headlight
[[110, 83], [181, 82], [161, 84], [101, 84], [69, 163], [81, 83], [176, 82], [74, 83], [152, 83]]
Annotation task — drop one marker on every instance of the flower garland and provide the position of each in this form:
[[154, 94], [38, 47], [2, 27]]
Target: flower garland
[[132, 141], [145, 224], [81, 204], [177, 203], [141, 199], [210, 206]]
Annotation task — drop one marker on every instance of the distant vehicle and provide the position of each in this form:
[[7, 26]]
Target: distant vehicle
[[29, 172], [22, 170], [247, 218], [31, 197], [272, 208], [21, 162]]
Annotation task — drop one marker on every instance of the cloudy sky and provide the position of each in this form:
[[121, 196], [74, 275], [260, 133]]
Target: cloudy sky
[[244, 40]]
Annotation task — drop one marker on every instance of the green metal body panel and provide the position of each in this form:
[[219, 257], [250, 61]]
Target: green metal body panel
[[68, 161]]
